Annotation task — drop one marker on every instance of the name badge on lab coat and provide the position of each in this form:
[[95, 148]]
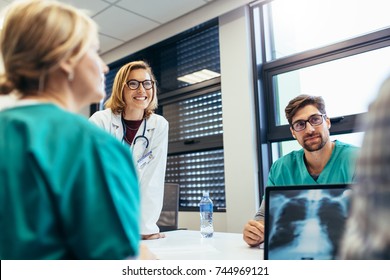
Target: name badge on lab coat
[[145, 159]]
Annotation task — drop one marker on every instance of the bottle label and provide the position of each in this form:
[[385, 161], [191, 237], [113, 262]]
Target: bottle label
[[206, 208]]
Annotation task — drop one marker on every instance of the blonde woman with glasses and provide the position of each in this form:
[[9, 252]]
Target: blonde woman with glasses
[[129, 116]]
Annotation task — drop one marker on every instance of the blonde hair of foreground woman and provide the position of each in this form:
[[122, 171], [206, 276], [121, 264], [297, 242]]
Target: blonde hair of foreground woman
[[30, 57]]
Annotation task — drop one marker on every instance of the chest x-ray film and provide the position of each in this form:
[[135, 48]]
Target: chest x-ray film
[[305, 222]]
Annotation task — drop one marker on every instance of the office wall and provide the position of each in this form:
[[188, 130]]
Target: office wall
[[238, 107], [239, 125]]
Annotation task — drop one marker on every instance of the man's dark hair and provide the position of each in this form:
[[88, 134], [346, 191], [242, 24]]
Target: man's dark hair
[[301, 101]]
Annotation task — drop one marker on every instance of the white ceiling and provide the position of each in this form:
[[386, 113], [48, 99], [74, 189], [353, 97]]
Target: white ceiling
[[122, 20]]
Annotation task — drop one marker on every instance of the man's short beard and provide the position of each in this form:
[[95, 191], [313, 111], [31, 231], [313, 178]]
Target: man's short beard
[[316, 147]]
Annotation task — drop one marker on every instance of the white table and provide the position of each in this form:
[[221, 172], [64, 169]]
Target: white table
[[189, 245]]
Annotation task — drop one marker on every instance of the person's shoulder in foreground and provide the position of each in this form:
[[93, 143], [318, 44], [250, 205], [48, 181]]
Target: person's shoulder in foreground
[[367, 234], [61, 157]]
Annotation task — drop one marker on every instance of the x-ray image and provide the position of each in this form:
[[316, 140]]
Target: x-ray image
[[307, 224]]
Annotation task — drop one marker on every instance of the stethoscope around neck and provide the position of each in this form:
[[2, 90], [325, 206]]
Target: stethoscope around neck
[[137, 137]]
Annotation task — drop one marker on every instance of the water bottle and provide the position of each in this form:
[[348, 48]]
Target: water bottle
[[206, 216]]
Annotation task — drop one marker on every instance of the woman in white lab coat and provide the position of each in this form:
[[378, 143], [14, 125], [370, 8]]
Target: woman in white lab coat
[[131, 119]]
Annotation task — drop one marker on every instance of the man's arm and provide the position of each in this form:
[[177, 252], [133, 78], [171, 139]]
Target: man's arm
[[253, 233], [261, 212]]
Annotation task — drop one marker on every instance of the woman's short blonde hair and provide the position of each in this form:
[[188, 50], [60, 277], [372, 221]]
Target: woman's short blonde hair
[[117, 102], [37, 35]]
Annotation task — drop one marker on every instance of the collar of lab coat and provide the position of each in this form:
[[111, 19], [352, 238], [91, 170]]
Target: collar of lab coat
[[150, 122], [116, 120]]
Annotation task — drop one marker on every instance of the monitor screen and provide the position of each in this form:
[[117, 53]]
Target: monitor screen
[[305, 222]]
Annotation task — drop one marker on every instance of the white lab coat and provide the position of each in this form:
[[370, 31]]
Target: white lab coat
[[151, 170], [7, 101]]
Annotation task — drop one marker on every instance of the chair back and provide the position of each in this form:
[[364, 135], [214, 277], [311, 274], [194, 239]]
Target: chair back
[[170, 211]]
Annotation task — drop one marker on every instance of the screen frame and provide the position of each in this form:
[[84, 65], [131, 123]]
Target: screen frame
[[269, 189]]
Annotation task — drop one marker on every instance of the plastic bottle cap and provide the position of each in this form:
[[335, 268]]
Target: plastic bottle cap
[[205, 193]]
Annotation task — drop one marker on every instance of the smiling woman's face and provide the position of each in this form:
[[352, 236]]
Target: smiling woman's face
[[138, 99]]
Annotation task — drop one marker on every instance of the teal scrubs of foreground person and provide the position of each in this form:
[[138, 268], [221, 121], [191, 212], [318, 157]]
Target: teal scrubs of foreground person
[[61, 194], [68, 190], [320, 161]]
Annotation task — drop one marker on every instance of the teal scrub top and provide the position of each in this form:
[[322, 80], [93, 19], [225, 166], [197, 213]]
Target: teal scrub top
[[291, 169], [68, 190]]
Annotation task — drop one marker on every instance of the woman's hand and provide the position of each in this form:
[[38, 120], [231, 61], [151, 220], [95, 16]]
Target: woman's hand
[[153, 236]]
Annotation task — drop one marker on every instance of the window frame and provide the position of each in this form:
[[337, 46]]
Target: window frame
[[267, 130], [358, 45], [205, 143], [194, 144]]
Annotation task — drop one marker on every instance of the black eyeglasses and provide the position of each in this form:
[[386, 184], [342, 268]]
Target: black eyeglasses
[[134, 84], [314, 120]]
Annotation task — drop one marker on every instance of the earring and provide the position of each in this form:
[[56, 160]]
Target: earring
[[70, 76]]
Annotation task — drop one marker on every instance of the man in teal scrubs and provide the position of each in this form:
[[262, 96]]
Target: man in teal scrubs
[[321, 161]]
